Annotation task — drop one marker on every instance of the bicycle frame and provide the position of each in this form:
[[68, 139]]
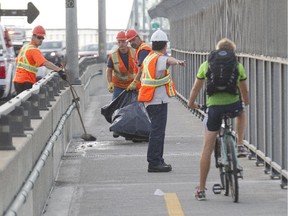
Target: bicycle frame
[[228, 164], [224, 135]]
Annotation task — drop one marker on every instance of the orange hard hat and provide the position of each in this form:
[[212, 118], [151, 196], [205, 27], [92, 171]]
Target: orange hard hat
[[121, 36], [39, 30], [130, 34]]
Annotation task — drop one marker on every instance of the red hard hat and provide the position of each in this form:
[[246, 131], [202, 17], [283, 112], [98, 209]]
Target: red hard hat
[[121, 36], [130, 34], [39, 30]]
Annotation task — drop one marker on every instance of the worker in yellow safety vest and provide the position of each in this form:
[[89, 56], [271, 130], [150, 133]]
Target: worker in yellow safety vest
[[29, 59], [142, 50], [156, 88], [120, 66]]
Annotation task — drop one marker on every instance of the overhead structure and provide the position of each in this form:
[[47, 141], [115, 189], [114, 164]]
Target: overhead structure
[[141, 21]]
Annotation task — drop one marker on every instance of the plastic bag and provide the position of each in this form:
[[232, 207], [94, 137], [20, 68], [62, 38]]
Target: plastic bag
[[124, 99], [131, 121]]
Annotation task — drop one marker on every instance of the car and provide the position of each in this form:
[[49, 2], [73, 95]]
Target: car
[[88, 50], [54, 51], [7, 65], [111, 47], [16, 33]]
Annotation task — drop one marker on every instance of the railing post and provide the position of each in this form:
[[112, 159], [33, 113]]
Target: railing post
[[43, 94], [35, 109], [50, 88], [27, 115], [5, 135], [16, 122]]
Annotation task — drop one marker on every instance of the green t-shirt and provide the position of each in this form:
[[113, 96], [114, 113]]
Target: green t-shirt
[[221, 98]]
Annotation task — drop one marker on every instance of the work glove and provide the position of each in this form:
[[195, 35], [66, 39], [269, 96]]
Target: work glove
[[110, 87], [62, 74], [132, 85]]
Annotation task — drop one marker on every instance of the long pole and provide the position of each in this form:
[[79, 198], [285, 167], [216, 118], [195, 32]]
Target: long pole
[[72, 67], [102, 29]]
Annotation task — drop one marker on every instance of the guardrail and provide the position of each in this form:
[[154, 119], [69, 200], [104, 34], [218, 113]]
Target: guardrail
[[34, 133], [16, 114]]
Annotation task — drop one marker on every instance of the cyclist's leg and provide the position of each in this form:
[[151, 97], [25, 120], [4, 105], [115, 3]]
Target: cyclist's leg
[[209, 142], [213, 125], [240, 127], [238, 110]]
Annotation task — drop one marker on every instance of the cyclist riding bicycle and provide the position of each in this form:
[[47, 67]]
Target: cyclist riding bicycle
[[219, 100]]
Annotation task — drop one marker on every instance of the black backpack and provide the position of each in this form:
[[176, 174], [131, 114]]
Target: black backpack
[[222, 72]]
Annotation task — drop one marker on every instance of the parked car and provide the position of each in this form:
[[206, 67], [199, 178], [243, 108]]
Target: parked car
[[16, 33], [54, 51], [7, 64], [88, 50]]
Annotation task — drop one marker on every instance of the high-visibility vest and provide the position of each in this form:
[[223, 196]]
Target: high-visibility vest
[[122, 76], [23, 61], [143, 46], [149, 82]]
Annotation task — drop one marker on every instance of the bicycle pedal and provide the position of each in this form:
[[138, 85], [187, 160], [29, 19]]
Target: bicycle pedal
[[217, 188]]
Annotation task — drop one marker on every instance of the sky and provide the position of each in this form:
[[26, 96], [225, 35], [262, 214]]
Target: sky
[[53, 13]]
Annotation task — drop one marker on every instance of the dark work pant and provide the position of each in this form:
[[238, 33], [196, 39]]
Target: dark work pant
[[20, 87], [158, 116], [117, 91]]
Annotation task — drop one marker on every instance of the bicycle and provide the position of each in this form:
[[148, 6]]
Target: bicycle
[[226, 161], [225, 153]]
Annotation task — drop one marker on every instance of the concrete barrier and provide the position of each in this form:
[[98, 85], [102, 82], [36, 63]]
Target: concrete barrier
[[16, 166]]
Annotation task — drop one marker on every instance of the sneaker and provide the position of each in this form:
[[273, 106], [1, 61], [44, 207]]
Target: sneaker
[[241, 151], [200, 194]]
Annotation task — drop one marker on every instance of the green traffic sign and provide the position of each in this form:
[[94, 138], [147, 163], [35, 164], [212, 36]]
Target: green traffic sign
[[155, 25]]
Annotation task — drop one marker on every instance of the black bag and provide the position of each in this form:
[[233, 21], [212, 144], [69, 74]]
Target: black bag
[[222, 72], [131, 122], [125, 98], [128, 116]]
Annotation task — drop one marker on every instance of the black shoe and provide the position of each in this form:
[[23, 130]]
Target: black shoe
[[167, 165], [160, 168]]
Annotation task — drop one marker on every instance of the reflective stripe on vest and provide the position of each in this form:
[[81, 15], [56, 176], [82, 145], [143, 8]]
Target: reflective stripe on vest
[[121, 75], [143, 46], [149, 81], [23, 61], [156, 82]]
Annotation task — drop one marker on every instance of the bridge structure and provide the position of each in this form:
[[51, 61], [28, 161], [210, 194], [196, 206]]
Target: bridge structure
[[39, 125]]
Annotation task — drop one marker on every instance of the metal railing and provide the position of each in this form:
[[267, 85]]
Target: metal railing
[[267, 114]]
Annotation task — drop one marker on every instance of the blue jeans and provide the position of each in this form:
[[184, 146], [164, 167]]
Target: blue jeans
[[117, 91], [158, 117]]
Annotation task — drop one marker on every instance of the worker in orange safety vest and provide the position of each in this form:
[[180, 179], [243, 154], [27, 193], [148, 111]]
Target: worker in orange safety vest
[[29, 59], [156, 88], [120, 66], [142, 50]]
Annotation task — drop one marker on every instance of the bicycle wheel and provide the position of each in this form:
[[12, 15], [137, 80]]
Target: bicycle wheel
[[232, 172]]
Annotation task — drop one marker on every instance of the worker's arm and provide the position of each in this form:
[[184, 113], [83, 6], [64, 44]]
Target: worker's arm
[[51, 66], [174, 61], [110, 84]]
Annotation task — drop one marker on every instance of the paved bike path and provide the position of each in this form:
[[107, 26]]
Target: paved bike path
[[109, 177]]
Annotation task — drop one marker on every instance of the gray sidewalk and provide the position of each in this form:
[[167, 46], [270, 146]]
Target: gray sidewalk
[[109, 177]]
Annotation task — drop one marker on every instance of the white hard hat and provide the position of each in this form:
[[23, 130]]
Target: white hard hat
[[159, 35]]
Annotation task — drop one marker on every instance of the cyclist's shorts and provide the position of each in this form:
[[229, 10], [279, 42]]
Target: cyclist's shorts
[[214, 113]]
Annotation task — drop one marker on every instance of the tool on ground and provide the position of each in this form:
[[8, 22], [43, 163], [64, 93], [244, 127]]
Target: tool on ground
[[76, 99]]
